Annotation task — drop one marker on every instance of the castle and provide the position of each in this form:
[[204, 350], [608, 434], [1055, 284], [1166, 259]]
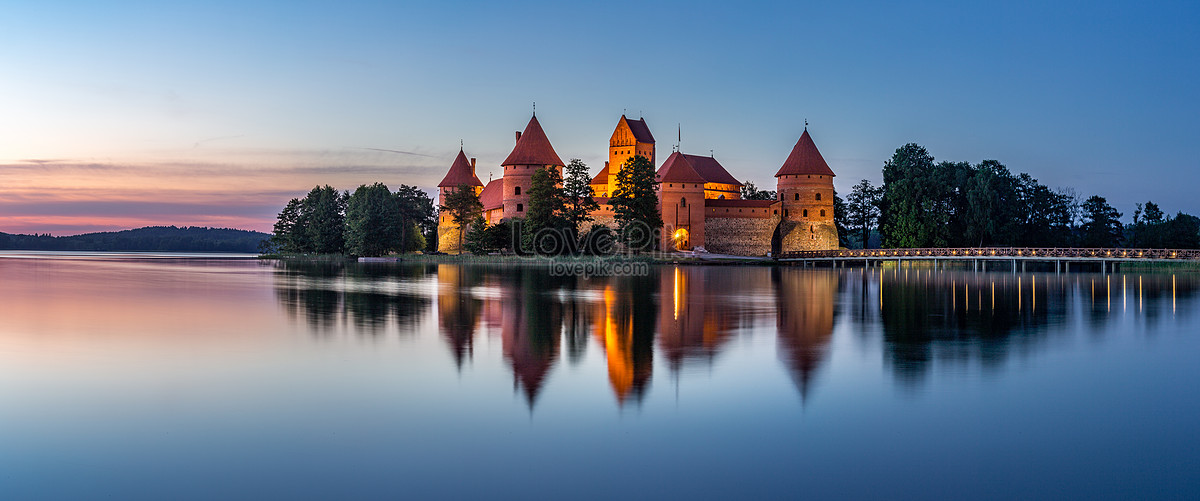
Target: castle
[[700, 202]]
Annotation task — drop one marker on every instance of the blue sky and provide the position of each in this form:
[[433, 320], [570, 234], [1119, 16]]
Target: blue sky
[[122, 114]]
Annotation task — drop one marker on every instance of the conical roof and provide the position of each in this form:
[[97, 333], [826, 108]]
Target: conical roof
[[805, 159], [677, 169], [533, 148], [460, 173]]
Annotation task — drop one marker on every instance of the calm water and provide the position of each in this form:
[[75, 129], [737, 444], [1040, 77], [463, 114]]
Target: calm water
[[147, 377]]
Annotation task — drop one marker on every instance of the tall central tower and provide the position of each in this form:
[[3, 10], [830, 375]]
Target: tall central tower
[[631, 138]]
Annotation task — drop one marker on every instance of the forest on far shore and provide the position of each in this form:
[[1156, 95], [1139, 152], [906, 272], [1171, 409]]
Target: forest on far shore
[[148, 239]]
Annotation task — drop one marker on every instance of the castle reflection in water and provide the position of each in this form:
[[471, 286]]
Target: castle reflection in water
[[690, 315]]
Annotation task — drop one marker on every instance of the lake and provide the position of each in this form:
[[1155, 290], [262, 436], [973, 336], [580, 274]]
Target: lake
[[167, 377]]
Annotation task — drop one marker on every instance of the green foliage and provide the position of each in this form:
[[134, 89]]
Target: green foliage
[[374, 223], [371, 222], [1103, 226], [577, 189], [314, 224], [913, 210], [839, 220], [417, 207], [635, 204], [323, 210], [476, 240], [546, 224], [598, 241], [956, 204], [1151, 230], [290, 234], [462, 204], [862, 210], [751, 192]]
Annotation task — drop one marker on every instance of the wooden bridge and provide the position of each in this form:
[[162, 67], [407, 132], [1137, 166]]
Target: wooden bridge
[[1061, 257]]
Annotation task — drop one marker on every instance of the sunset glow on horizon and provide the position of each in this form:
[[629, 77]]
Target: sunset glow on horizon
[[124, 115]]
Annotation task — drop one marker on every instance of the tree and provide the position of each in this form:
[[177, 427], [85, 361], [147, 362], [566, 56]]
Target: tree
[[1152, 214], [1103, 226], [862, 210], [417, 208], [546, 226], [374, 223], [751, 192], [290, 234], [577, 189], [914, 209], [635, 204], [476, 239], [322, 215], [839, 220], [462, 204]]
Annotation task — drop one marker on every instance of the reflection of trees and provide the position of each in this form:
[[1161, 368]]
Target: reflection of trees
[[805, 321], [960, 317], [963, 317], [369, 295]]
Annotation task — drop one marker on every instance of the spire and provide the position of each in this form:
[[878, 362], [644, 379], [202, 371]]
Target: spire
[[533, 148], [805, 159], [460, 173]]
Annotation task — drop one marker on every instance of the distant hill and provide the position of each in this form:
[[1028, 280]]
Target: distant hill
[[150, 238]]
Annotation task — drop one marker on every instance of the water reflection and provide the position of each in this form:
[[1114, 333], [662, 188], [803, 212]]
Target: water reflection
[[327, 294], [691, 315]]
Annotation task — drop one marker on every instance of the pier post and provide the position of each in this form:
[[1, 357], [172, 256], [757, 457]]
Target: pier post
[[1014, 266], [976, 266], [1022, 266], [1057, 266]]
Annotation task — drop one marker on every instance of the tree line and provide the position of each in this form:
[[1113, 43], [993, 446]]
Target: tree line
[[371, 221], [923, 203], [148, 239]]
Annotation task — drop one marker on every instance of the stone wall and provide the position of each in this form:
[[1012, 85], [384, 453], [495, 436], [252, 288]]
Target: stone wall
[[801, 236], [741, 236]]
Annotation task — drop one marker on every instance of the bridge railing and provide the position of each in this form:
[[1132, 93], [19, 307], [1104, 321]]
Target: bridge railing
[[997, 252]]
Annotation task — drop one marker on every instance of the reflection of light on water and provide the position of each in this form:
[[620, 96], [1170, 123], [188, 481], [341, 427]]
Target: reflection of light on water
[[1020, 294], [676, 293], [1124, 297], [1139, 293], [1033, 288], [993, 295], [953, 295], [1172, 294], [1108, 287]]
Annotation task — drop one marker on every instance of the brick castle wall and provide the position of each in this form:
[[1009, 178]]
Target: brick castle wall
[[741, 236]]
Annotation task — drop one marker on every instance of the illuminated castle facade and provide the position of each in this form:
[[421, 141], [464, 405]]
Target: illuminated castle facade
[[700, 201]]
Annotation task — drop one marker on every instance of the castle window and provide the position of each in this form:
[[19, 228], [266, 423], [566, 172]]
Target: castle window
[[670, 185], [776, 212], [785, 212], [520, 207], [797, 196], [810, 229], [818, 196], [683, 202], [805, 212], [822, 212], [517, 191]]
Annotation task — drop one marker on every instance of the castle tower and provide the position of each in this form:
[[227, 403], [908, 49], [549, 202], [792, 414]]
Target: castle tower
[[532, 152], [805, 186], [461, 172], [630, 138], [681, 202]]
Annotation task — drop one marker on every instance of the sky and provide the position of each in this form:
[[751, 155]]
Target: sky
[[118, 115]]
